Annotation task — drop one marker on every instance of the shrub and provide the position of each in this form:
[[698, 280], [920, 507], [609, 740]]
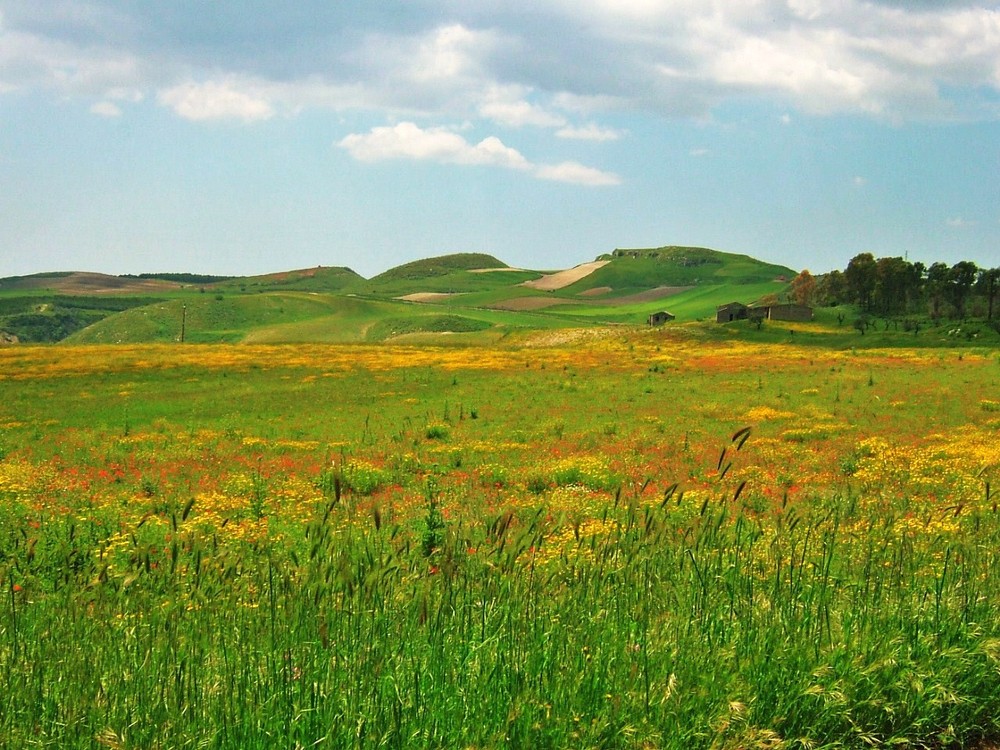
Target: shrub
[[364, 478], [437, 431]]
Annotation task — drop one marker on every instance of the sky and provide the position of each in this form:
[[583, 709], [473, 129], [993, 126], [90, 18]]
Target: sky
[[240, 137]]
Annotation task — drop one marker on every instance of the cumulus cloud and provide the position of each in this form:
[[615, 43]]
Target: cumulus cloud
[[106, 109], [215, 100], [589, 132], [407, 140], [518, 113], [577, 174], [887, 58]]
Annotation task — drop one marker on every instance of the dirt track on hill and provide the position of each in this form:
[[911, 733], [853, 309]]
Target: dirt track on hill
[[525, 304], [428, 296], [561, 279]]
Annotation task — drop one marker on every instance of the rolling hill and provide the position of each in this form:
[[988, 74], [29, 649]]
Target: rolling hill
[[466, 295]]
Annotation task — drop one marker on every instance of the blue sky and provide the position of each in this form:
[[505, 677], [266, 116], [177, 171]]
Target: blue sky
[[244, 136]]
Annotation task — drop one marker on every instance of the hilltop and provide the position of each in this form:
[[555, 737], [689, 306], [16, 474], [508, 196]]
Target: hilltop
[[464, 293]]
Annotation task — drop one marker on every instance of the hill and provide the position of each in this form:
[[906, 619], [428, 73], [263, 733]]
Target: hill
[[81, 282], [461, 273], [633, 270], [319, 279], [466, 293]]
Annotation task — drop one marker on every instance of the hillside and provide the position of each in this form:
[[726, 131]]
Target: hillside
[[81, 282], [631, 271], [320, 279], [467, 294]]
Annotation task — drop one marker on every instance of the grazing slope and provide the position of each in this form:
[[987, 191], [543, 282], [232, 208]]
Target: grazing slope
[[634, 270], [465, 293]]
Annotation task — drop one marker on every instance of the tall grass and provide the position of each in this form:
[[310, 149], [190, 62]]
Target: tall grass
[[690, 622]]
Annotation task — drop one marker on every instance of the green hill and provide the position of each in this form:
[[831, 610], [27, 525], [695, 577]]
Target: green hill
[[441, 265], [631, 271], [466, 294], [319, 279], [461, 273], [205, 318]]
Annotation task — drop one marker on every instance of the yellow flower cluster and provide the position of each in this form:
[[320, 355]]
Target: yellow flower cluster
[[18, 479], [766, 414]]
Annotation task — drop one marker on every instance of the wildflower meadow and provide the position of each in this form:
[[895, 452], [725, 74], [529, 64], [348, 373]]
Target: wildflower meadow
[[632, 540]]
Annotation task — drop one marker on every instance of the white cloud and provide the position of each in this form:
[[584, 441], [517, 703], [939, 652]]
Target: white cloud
[[958, 222], [589, 132], [699, 152], [587, 103], [859, 181], [447, 52], [215, 100], [407, 140], [31, 61], [681, 58], [106, 109], [577, 174], [505, 109]]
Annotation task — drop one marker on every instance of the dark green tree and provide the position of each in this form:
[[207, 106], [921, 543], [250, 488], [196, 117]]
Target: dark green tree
[[831, 289], [893, 279], [988, 285], [861, 280], [936, 287], [961, 278]]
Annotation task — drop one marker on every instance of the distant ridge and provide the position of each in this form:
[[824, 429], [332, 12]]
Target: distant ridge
[[446, 294], [85, 282], [440, 266]]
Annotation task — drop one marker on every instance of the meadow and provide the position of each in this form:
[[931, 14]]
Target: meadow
[[612, 538]]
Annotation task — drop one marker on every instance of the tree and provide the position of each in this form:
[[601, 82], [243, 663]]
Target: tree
[[937, 287], [893, 277], [860, 277], [804, 287], [989, 286], [831, 289], [961, 277]]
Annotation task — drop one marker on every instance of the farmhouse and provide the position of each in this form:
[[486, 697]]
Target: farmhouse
[[731, 311], [784, 311], [659, 318]]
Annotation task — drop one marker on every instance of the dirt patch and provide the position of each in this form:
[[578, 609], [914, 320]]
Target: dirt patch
[[560, 279], [524, 304], [661, 292], [566, 336], [99, 283], [429, 296], [597, 291]]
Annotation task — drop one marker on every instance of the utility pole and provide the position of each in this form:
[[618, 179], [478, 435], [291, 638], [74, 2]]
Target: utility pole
[[184, 312]]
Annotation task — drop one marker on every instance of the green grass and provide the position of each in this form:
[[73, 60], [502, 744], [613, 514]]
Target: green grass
[[439, 266], [634, 270], [698, 303], [322, 279], [357, 546]]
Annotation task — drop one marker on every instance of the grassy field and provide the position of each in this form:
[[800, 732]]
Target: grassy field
[[568, 538]]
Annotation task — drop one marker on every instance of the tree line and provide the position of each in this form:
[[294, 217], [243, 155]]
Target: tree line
[[894, 286]]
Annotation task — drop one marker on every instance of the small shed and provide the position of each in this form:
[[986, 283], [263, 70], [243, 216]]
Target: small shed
[[659, 318], [730, 312]]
